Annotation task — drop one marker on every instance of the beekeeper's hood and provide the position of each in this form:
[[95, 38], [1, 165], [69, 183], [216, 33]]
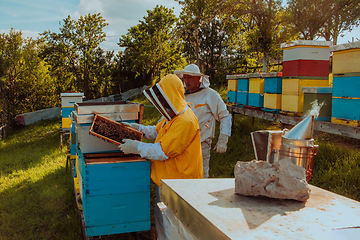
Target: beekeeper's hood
[[167, 96], [194, 70]]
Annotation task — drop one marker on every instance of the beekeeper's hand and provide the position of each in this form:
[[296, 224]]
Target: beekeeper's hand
[[129, 146], [221, 145], [132, 125]]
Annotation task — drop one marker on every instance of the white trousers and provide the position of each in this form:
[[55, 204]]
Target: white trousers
[[205, 148]]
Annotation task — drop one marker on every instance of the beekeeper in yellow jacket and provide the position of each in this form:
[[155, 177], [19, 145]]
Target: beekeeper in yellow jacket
[[208, 107], [176, 153]]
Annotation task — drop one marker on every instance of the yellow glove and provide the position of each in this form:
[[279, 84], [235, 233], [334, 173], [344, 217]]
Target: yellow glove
[[221, 145]]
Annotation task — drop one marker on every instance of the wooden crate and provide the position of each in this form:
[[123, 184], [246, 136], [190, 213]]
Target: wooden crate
[[272, 101], [308, 68], [232, 84], [346, 58], [256, 100], [292, 86], [346, 108], [346, 86], [115, 193]]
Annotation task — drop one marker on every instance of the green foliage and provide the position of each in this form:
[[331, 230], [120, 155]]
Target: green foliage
[[149, 54], [337, 169], [75, 56], [322, 18], [25, 83]]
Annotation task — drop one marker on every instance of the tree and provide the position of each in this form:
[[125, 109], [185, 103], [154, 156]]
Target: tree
[[322, 18], [148, 51], [25, 84], [347, 18], [73, 53], [264, 28], [211, 35]]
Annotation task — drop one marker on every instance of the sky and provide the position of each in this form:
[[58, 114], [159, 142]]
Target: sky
[[36, 16]]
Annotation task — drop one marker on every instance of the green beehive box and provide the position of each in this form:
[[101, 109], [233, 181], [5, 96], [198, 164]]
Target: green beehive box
[[318, 96]]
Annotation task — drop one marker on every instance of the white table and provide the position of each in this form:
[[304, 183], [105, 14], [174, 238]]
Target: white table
[[210, 209]]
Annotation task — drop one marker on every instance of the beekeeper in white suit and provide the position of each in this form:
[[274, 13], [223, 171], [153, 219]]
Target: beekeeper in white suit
[[208, 106]]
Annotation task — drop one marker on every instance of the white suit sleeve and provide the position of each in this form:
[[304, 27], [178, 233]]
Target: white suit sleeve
[[224, 117], [149, 132], [225, 125], [151, 151]]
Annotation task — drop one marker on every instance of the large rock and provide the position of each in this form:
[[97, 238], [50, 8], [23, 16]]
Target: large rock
[[282, 179]]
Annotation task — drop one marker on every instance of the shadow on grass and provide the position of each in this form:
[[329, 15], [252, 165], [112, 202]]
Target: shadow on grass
[[44, 209]]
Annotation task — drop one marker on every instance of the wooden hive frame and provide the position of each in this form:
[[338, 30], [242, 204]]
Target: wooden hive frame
[[116, 132]]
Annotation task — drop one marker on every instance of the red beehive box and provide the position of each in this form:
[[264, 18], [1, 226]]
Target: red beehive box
[[310, 68]]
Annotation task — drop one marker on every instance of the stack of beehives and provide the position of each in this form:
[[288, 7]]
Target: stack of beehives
[[238, 89], [272, 91], [114, 188], [346, 84], [305, 64]]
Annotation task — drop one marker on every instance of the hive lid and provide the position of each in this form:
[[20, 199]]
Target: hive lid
[[71, 94], [237, 76], [306, 43], [303, 130], [253, 75], [271, 74], [345, 46]]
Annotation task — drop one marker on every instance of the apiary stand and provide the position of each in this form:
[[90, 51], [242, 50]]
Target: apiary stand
[[210, 209], [114, 194]]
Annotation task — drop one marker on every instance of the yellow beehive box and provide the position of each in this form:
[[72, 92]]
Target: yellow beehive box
[[292, 103], [353, 123], [232, 85], [346, 58], [256, 85], [76, 177], [293, 86], [272, 101], [65, 122]]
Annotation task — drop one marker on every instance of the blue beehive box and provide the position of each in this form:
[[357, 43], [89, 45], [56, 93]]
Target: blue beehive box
[[346, 97], [243, 85], [73, 139], [256, 100], [346, 108], [66, 112], [115, 193], [346, 86], [272, 82], [231, 97], [242, 98]]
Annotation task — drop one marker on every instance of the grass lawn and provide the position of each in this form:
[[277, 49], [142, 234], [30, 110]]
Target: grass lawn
[[36, 191]]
